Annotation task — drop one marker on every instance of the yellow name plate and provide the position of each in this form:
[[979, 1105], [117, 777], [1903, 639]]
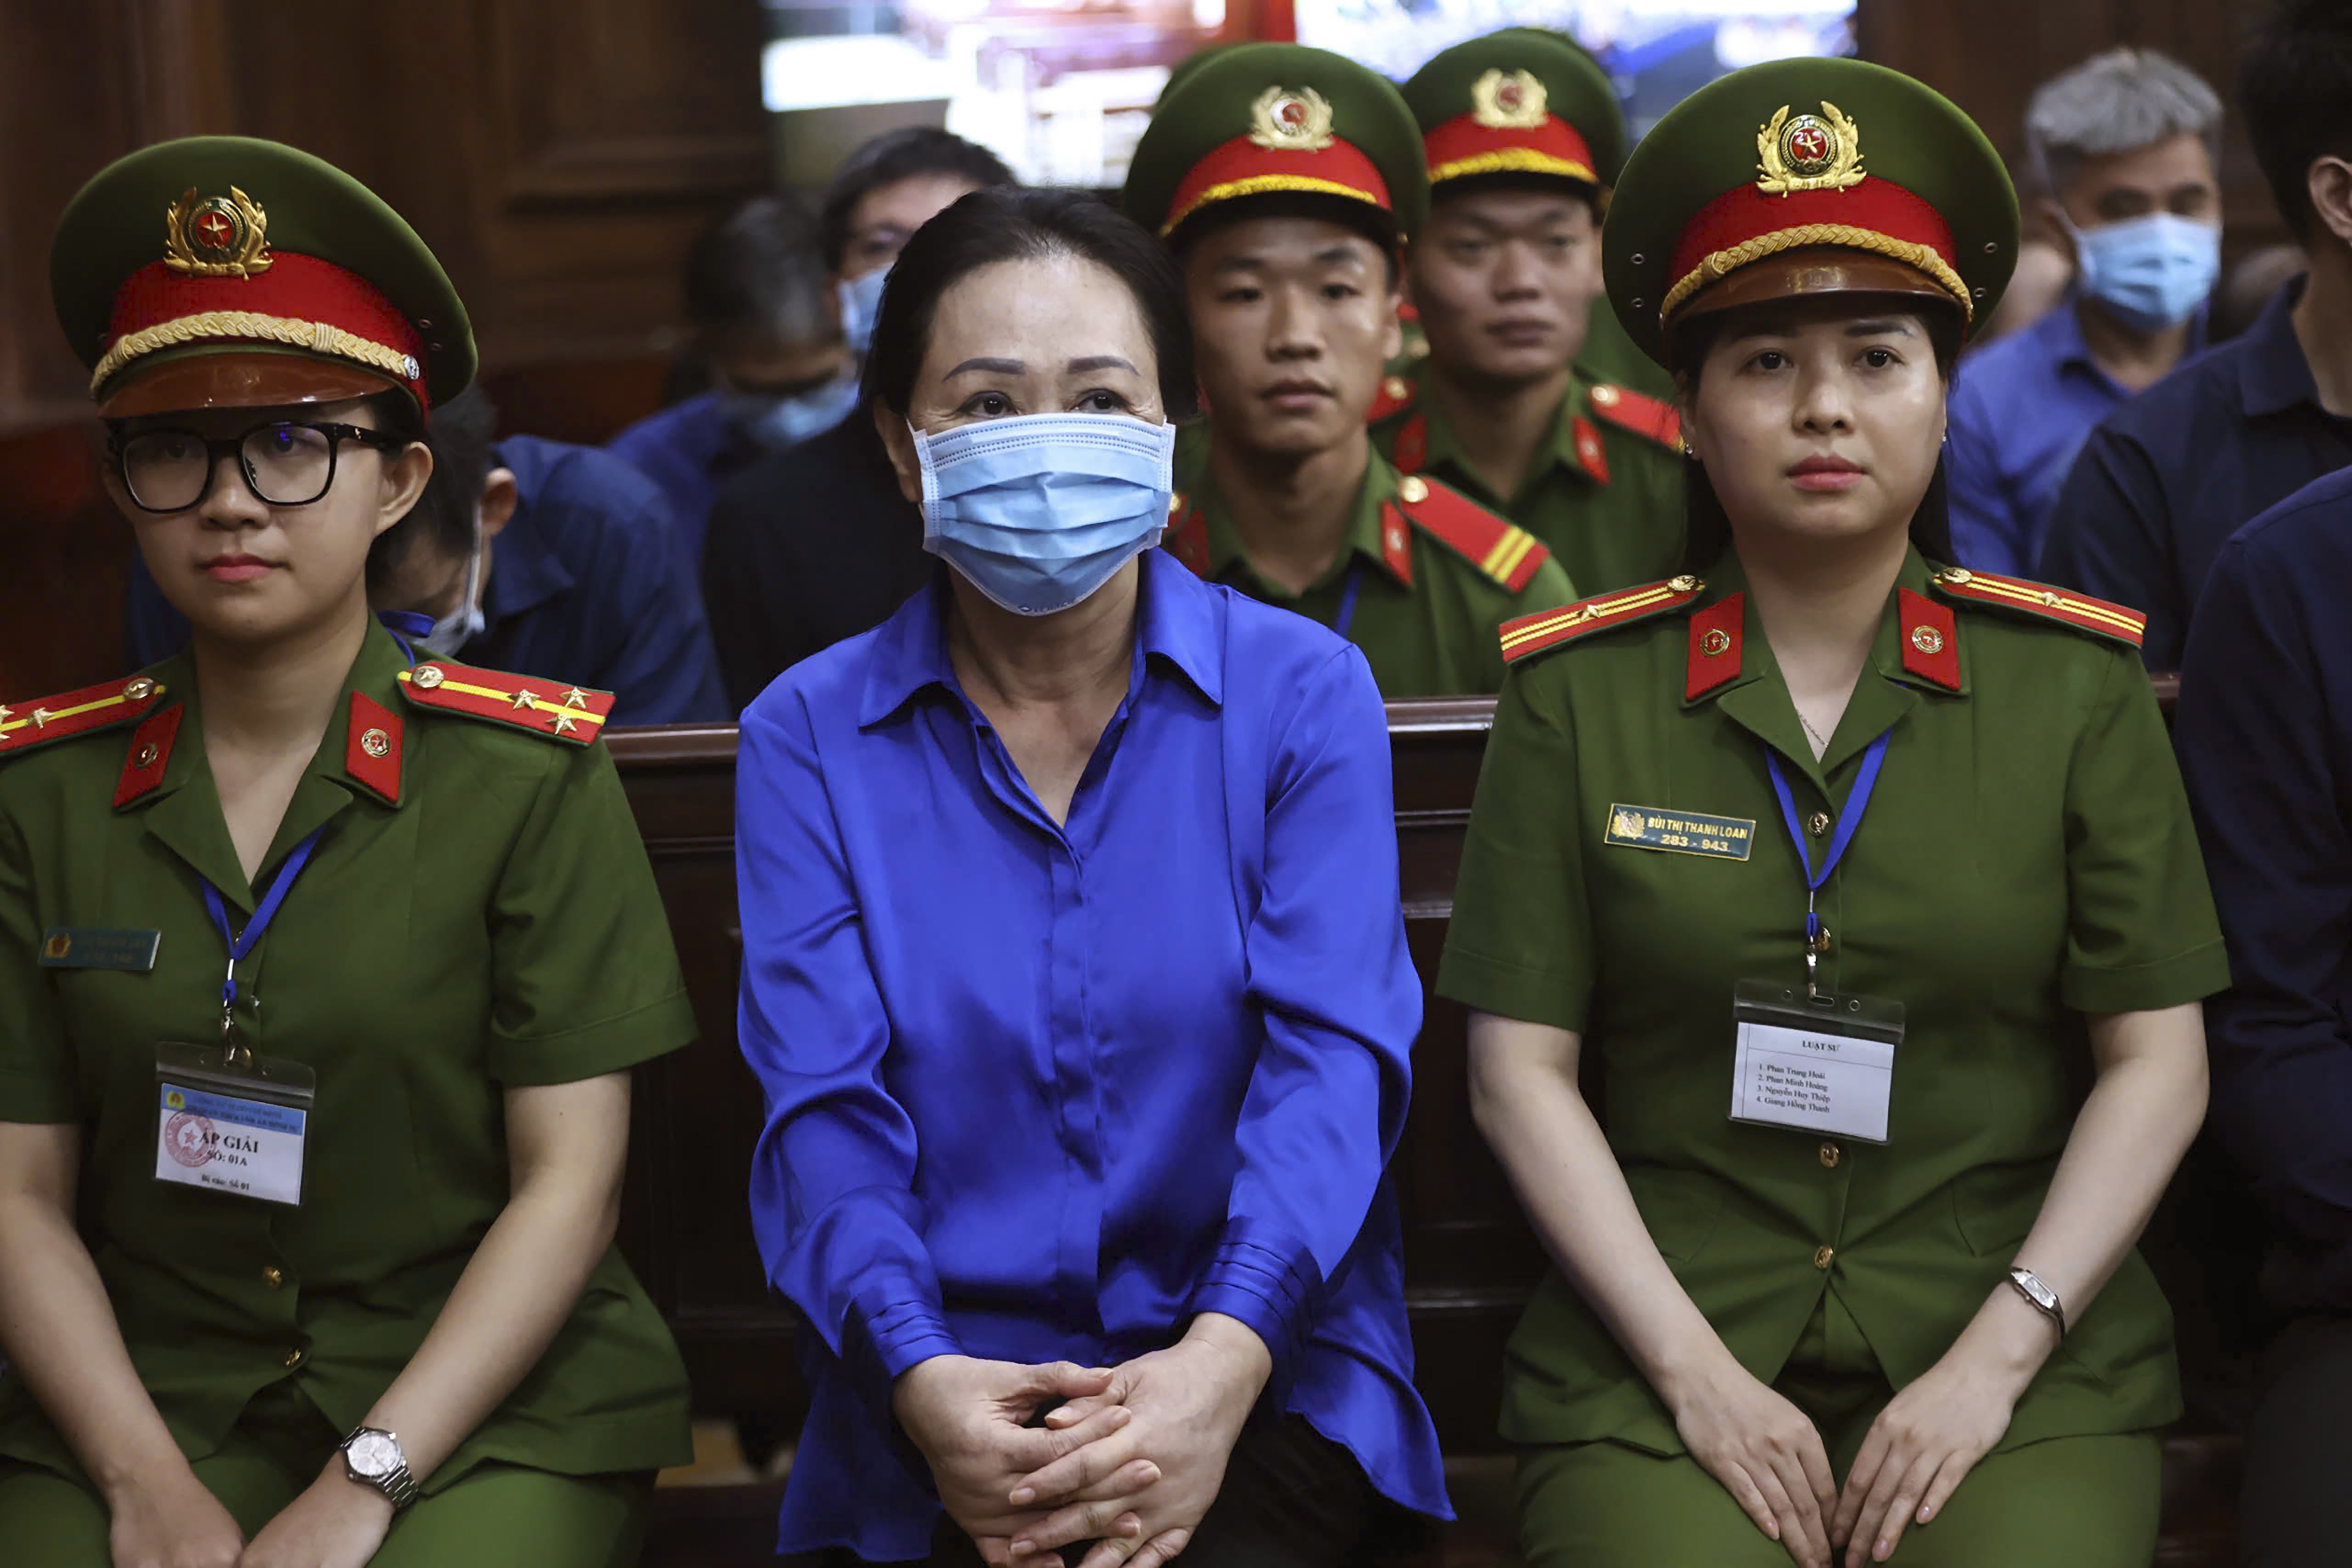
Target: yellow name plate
[[1681, 832]]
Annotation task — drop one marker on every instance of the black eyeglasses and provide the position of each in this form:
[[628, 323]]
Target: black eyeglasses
[[284, 464]]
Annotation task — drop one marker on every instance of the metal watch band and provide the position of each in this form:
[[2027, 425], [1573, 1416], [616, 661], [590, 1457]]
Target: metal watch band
[[2043, 1299], [398, 1487]]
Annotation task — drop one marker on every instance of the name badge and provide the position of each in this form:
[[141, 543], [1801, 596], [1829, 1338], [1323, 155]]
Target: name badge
[[1820, 1064], [232, 1122], [98, 947], [1681, 832]]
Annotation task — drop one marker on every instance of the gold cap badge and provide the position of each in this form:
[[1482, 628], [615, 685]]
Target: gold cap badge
[[1512, 101], [1291, 121], [216, 236], [1809, 152]]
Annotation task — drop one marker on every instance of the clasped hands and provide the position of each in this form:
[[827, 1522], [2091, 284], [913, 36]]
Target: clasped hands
[[1128, 1457]]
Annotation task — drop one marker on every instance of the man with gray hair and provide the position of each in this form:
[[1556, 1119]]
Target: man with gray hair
[[2125, 145]]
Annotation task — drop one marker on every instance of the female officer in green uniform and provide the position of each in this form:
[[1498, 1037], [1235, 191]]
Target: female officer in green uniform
[[1847, 1271], [320, 970]]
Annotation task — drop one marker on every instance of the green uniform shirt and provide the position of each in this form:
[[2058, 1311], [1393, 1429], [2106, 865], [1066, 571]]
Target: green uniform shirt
[[1434, 576], [497, 927], [2027, 858], [1608, 501]]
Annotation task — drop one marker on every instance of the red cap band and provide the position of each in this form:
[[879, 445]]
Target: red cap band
[[1461, 147], [1242, 168]]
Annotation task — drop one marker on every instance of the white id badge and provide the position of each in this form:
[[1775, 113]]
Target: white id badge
[[1813, 1064], [229, 1122]]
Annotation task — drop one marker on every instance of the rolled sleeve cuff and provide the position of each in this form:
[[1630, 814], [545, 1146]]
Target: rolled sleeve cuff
[[1508, 991], [1269, 1282], [890, 1329], [596, 1049], [2149, 987]]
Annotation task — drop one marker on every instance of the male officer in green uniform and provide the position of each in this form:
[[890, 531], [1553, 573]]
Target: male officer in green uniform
[[311, 1264], [1843, 861], [1285, 178], [1522, 136]]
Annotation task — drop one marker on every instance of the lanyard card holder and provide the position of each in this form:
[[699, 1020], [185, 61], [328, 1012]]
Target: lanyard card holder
[[1820, 1063], [230, 1121]]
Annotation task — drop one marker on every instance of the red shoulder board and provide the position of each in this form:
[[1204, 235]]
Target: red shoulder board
[[1187, 538], [2077, 610], [1505, 552], [548, 708], [1549, 629], [1396, 396], [1640, 413], [26, 726]]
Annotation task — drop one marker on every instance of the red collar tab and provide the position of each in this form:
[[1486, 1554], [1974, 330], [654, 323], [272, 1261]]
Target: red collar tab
[[28, 725], [1505, 552], [1411, 445], [371, 747], [1462, 146], [1931, 638], [1645, 415], [1531, 635], [2078, 610], [1396, 395], [1588, 450], [1247, 167], [1396, 542], [569, 713], [1715, 650], [150, 754], [1187, 538]]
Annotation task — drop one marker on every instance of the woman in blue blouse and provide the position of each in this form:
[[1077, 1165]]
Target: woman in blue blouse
[[1074, 976]]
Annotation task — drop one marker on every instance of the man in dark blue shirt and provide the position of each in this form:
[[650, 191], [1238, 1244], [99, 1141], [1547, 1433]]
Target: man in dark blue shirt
[[2264, 732], [2177, 470], [532, 556]]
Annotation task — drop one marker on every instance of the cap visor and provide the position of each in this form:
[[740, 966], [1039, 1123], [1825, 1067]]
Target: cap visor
[[171, 383], [1810, 271]]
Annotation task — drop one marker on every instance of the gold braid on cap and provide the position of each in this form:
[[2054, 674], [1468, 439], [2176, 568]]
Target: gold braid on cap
[[1723, 263], [319, 337]]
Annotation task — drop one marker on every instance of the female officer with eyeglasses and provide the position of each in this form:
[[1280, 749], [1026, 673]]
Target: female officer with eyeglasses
[[321, 968]]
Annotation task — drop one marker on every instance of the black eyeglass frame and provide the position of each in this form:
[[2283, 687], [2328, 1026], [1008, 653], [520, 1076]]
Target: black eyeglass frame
[[336, 433]]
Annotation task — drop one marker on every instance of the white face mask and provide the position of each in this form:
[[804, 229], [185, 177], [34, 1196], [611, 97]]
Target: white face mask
[[464, 624]]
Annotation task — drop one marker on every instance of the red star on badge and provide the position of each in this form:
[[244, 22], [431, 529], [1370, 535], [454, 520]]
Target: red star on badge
[[215, 230], [1508, 95], [1810, 144], [1292, 112]]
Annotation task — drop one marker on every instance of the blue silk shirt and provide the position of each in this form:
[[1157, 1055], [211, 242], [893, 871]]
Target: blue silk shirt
[[1040, 1092]]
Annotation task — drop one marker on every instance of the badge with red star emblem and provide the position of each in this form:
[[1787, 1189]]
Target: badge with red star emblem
[[216, 236], [1291, 121]]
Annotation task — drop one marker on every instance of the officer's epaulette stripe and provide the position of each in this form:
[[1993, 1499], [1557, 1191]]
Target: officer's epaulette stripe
[[2116, 621], [25, 726], [570, 713], [1549, 629], [1502, 550], [1640, 413]]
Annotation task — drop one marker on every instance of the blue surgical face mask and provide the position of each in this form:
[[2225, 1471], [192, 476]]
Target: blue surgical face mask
[[861, 302], [2151, 272], [774, 423], [1039, 511], [464, 624]]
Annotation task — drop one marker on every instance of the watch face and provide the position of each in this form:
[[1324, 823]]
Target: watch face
[[373, 1455]]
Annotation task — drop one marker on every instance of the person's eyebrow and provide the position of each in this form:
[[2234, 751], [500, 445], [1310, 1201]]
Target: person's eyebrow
[[1340, 256], [1884, 326], [1242, 263], [996, 366], [1092, 362]]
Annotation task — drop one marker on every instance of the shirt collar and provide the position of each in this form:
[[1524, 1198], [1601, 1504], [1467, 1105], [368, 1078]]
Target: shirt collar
[[2273, 374], [1176, 621], [1364, 536], [1443, 450], [2059, 330], [525, 570]]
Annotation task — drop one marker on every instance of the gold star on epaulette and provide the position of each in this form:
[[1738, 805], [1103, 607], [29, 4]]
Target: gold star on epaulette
[[522, 700], [576, 698], [564, 721]]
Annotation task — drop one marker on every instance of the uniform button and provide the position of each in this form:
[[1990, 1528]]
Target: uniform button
[[294, 1356], [273, 1277], [1819, 825], [1829, 1155], [1822, 1257]]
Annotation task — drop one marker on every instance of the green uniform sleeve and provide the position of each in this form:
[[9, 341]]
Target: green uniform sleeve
[[1520, 945], [36, 1060], [585, 980], [2141, 930]]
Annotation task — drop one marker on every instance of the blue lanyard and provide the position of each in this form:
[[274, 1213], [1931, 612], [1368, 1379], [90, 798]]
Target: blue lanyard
[[242, 944], [1347, 616], [1857, 800], [403, 624]]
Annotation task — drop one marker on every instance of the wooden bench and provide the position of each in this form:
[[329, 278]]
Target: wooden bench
[[1470, 1257]]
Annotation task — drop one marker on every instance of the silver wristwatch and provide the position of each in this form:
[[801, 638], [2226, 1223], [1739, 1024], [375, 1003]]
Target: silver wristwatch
[[2045, 1300], [372, 1458]]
